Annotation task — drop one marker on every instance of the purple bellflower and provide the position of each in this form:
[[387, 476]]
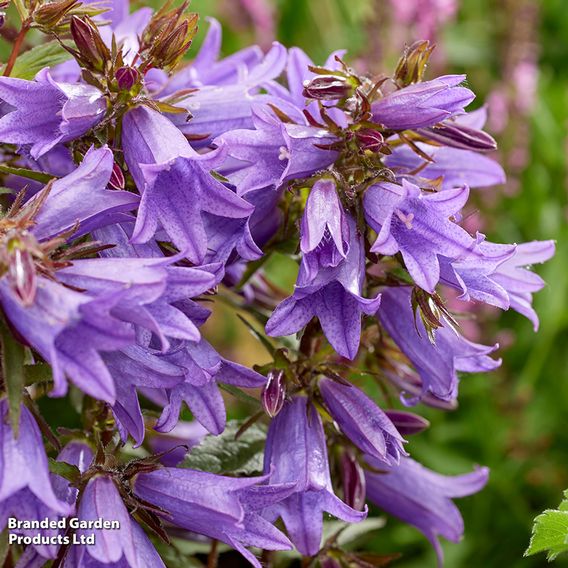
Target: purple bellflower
[[417, 225], [46, 113], [296, 453], [216, 109], [362, 421], [423, 498], [437, 364], [124, 547], [26, 491], [423, 104], [161, 161], [325, 231], [203, 368], [275, 151], [456, 167], [333, 296], [224, 508]]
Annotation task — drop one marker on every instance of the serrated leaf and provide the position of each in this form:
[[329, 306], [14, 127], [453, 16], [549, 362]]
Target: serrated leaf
[[13, 356], [30, 62], [66, 470], [550, 532], [224, 454], [42, 177]]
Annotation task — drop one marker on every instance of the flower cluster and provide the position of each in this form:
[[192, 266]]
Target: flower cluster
[[141, 190]]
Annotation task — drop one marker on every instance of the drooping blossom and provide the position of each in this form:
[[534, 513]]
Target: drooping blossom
[[436, 363], [296, 453], [224, 508], [43, 113], [423, 498]]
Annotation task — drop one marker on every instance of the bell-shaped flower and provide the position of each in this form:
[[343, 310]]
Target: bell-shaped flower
[[362, 421], [423, 498], [161, 161], [275, 151], [224, 508], [333, 296], [43, 113], [324, 229], [456, 167], [417, 225], [126, 546], [26, 490], [203, 368], [436, 363], [423, 104], [216, 109], [519, 282], [296, 453]]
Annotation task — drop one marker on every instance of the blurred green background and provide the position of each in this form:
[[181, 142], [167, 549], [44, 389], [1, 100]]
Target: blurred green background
[[515, 53]]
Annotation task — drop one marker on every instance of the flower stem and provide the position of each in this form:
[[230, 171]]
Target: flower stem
[[213, 554], [16, 48]]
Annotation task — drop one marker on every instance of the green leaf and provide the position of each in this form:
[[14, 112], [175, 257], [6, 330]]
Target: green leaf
[[239, 394], [31, 62], [38, 373], [42, 177], [550, 532], [223, 454], [66, 470], [13, 356]]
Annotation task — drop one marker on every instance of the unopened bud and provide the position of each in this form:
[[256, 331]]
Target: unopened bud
[[412, 64], [327, 88], [354, 485], [371, 140], [170, 46], [126, 78], [457, 135], [407, 423], [22, 274], [2, 19], [116, 180], [50, 14], [93, 52], [274, 393]]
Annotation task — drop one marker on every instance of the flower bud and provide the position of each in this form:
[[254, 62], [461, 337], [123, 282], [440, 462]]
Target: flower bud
[[170, 46], [21, 273], [93, 53], [126, 77], [2, 18], [353, 481], [274, 393], [50, 14], [370, 139], [457, 135], [412, 64], [116, 180], [327, 88], [407, 423]]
